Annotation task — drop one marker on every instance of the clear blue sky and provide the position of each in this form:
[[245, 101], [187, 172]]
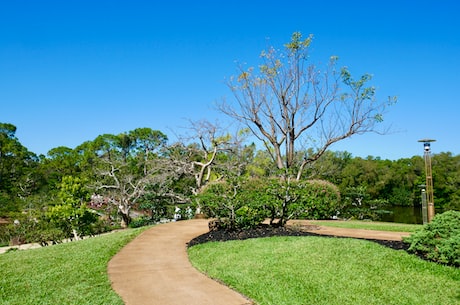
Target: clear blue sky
[[72, 70]]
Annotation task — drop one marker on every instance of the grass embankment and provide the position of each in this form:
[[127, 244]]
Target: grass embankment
[[368, 225], [70, 273], [318, 270]]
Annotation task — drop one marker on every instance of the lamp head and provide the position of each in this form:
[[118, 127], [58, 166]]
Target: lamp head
[[426, 144]]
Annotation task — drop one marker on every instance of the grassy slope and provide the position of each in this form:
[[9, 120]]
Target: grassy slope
[[315, 270], [70, 273]]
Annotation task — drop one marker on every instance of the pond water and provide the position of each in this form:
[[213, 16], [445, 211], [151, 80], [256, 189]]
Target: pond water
[[403, 214]]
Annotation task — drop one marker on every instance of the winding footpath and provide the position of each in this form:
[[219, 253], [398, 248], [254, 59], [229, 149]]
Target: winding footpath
[[154, 269]]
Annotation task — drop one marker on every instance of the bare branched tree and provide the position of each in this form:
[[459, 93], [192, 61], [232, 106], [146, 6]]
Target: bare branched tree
[[197, 158], [291, 106]]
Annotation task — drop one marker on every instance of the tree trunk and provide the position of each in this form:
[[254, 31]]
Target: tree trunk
[[125, 220], [124, 212], [75, 234]]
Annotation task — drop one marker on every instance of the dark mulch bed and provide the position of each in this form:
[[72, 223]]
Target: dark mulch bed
[[268, 231]]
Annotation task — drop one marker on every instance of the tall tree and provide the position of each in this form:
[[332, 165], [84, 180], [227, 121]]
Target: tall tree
[[290, 105], [60, 161], [446, 177], [71, 214], [16, 169], [126, 165]]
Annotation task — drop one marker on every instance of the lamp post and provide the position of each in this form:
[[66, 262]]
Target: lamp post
[[424, 207], [429, 178]]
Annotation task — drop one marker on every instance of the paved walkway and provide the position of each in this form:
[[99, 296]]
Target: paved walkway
[[356, 233], [154, 268]]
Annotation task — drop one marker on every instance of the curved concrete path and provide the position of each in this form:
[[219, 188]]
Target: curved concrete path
[[347, 232], [154, 268]]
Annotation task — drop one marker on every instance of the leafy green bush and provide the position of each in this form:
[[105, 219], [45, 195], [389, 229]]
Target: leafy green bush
[[304, 199], [438, 240], [357, 204], [245, 203], [28, 229], [37, 228], [315, 199], [141, 222], [45, 236], [236, 202], [248, 217], [102, 225]]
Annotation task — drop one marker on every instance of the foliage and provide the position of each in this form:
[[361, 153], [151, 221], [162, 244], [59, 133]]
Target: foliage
[[248, 217], [8, 204], [218, 201], [254, 199], [439, 240], [73, 221], [141, 222], [247, 202], [446, 177], [156, 208], [358, 205], [31, 229], [233, 201], [72, 215], [315, 199], [307, 199], [38, 228], [126, 165], [138, 170], [17, 170], [45, 235], [73, 191], [163, 195], [60, 162]]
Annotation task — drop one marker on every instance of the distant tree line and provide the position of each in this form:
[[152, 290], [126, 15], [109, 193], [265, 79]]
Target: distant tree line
[[107, 181]]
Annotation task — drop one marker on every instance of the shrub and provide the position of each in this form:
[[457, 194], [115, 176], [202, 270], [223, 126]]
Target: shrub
[[245, 203], [102, 225], [46, 236], [439, 240], [357, 204], [248, 217], [315, 199], [32, 230], [237, 203], [141, 222]]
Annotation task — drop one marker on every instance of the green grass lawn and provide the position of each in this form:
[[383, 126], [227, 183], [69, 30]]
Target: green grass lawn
[[71, 273], [279, 270], [369, 225], [318, 270]]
